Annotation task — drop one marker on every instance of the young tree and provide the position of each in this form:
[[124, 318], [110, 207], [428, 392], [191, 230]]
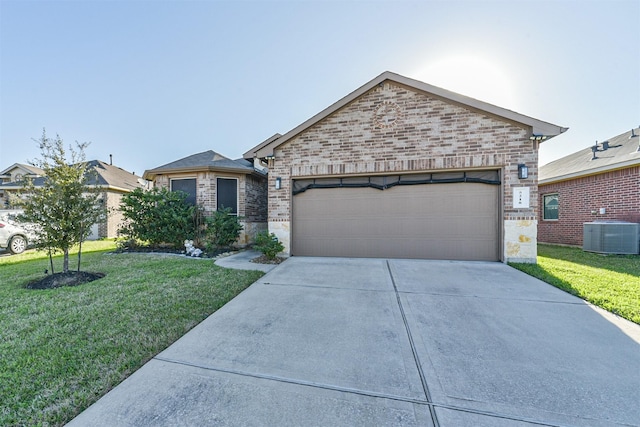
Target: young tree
[[66, 205]]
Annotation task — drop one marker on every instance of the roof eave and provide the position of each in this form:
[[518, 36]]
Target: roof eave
[[251, 154], [152, 173], [590, 172]]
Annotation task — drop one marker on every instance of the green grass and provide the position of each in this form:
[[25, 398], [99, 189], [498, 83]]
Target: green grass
[[87, 247], [62, 349], [608, 281]]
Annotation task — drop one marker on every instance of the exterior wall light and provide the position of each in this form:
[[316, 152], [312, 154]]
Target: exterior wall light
[[278, 183], [523, 171], [270, 159]]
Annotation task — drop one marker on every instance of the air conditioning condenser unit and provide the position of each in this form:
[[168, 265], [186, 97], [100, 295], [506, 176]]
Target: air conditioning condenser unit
[[612, 237]]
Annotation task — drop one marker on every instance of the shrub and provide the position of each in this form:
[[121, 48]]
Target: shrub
[[222, 230], [158, 216], [268, 244]]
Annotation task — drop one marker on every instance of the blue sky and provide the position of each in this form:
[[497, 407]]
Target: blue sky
[[154, 81]]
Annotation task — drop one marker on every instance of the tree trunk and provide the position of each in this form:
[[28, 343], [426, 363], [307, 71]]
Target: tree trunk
[[51, 260], [65, 262], [79, 255]]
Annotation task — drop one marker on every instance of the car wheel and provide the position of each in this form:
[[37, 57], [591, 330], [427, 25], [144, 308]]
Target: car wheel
[[17, 245]]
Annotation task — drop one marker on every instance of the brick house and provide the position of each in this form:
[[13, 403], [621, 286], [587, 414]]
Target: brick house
[[114, 182], [594, 184], [214, 181], [402, 169]]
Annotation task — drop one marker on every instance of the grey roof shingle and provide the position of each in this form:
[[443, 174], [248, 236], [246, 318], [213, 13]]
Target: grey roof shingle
[[114, 176], [34, 170], [622, 152], [205, 160], [106, 175]]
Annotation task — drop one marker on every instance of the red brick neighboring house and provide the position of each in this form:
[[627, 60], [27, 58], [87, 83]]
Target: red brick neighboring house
[[589, 186]]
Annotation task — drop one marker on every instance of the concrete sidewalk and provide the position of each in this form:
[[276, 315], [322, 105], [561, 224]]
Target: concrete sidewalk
[[242, 261], [371, 342]]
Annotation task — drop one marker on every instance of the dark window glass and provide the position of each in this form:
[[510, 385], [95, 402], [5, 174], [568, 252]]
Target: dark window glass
[[227, 194], [550, 206], [186, 185]]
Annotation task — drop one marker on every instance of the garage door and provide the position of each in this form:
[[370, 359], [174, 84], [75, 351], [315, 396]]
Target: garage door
[[453, 220]]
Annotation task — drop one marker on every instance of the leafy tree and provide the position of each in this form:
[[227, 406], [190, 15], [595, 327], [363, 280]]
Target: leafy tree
[[158, 216], [66, 205]]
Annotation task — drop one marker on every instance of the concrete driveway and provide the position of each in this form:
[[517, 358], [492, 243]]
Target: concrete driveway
[[371, 342]]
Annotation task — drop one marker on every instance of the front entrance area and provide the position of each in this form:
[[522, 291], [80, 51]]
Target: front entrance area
[[448, 221]]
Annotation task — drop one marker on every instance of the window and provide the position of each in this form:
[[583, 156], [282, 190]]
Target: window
[[186, 185], [227, 194], [550, 208]]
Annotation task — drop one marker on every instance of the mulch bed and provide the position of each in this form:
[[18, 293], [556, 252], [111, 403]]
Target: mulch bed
[[163, 250], [262, 259], [71, 278]]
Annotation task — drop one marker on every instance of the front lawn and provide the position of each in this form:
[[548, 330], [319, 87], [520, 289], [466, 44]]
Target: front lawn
[[608, 281], [61, 349]]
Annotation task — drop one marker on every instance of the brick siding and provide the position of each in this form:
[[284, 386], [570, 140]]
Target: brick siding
[[256, 199], [580, 201], [252, 198], [431, 135], [252, 192]]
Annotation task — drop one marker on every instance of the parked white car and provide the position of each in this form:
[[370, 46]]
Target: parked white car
[[14, 237]]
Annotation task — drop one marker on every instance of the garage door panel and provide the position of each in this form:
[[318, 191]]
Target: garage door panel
[[433, 221]]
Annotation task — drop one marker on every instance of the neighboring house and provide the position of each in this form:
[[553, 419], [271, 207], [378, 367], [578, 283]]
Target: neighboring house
[[402, 169], [589, 186], [16, 173], [114, 182], [214, 182]]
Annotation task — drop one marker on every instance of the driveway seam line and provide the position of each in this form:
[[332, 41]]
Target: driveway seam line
[[357, 391], [416, 359], [495, 298], [295, 285], [297, 382]]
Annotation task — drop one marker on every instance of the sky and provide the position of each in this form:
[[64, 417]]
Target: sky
[[151, 82]]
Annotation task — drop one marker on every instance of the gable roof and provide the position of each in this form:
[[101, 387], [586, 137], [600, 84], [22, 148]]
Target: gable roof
[[205, 161], [538, 127], [114, 177], [623, 151], [251, 153], [33, 170], [108, 176]]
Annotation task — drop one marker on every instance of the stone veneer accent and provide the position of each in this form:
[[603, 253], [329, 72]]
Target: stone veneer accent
[[430, 135]]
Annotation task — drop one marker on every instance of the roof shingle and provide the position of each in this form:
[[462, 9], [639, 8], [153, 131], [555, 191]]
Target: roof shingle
[[623, 151]]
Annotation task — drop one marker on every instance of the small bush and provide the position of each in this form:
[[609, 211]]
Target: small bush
[[268, 244], [222, 230]]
